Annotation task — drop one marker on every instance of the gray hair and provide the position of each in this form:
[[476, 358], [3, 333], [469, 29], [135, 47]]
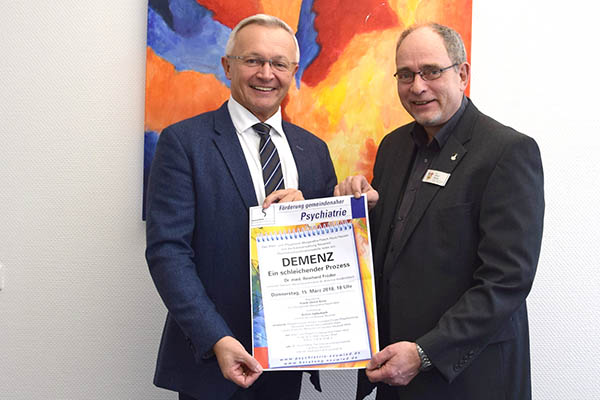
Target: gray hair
[[452, 41], [262, 20]]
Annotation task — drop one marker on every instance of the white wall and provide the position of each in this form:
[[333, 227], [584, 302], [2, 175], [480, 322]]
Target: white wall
[[79, 317], [534, 68]]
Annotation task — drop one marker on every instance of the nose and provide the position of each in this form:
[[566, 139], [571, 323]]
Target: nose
[[265, 71], [419, 85]]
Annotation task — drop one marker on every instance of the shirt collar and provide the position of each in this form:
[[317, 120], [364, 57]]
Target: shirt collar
[[420, 136], [243, 119]]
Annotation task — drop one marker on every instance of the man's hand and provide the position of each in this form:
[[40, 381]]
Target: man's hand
[[283, 196], [356, 186], [395, 365], [236, 364]]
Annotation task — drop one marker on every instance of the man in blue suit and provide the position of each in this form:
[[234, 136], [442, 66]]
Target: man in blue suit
[[206, 173], [457, 214]]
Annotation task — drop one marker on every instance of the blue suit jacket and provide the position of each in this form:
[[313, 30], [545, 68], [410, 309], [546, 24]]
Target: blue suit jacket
[[199, 193]]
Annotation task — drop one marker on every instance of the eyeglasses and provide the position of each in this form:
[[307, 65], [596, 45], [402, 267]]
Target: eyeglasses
[[278, 64], [427, 74]]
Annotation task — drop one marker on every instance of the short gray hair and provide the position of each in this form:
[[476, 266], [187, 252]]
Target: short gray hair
[[453, 43], [262, 20]]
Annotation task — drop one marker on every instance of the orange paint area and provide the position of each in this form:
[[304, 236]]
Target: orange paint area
[[173, 96]]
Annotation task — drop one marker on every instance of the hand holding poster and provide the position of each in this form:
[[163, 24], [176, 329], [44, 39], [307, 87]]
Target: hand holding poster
[[313, 302]]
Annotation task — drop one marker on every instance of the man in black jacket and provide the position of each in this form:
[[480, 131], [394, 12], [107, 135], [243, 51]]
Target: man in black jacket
[[457, 210]]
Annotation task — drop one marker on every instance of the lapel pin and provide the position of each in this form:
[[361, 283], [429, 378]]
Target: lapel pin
[[453, 158]]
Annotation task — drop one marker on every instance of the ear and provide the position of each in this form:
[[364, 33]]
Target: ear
[[464, 74], [226, 67]]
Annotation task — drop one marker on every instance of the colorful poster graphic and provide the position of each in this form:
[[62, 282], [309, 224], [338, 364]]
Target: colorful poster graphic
[[312, 287]]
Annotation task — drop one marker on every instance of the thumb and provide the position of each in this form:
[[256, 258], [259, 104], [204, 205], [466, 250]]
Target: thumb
[[251, 363], [378, 359]]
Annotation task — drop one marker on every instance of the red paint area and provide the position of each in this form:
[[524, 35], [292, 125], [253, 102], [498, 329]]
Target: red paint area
[[336, 22], [229, 12]]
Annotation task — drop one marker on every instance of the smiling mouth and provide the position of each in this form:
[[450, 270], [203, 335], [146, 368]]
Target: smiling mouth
[[262, 88], [422, 103]]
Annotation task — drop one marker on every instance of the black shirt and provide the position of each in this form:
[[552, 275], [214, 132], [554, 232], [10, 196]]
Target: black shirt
[[422, 157]]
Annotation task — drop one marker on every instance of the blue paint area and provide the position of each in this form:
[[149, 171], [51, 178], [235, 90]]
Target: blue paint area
[[194, 41], [307, 38], [258, 312], [186, 17], [162, 8], [150, 141], [259, 330]]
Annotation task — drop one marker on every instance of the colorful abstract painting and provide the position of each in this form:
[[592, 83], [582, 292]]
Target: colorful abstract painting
[[344, 89]]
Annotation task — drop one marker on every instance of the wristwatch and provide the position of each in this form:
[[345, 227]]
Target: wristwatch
[[425, 361]]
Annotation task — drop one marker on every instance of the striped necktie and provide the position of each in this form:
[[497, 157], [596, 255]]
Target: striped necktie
[[269, 159]]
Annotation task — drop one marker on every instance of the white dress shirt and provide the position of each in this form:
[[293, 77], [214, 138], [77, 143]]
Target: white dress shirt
[[243, 120]]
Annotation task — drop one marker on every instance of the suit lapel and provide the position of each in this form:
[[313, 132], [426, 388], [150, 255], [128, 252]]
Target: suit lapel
[[450, 156], [401, 165], [300, 153], [231, 150], [446, 161]]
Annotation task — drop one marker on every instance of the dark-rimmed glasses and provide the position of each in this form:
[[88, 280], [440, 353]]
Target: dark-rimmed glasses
[[427, 74], [278, 64]]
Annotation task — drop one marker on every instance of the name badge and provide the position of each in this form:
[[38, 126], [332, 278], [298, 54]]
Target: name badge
[[436, 177]]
